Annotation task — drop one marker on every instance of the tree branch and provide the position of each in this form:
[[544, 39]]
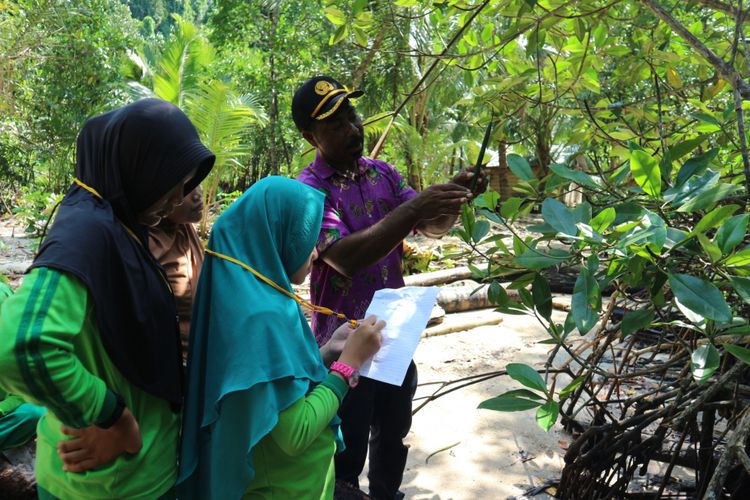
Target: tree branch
[[728, 9], [725, 70]]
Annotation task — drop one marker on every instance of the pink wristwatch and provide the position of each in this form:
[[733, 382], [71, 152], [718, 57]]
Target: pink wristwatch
[[351, 376]]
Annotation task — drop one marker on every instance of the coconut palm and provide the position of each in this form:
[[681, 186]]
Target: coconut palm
[[222, 116]]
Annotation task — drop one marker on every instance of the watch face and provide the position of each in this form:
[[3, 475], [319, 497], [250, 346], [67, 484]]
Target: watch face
[[354, 379]]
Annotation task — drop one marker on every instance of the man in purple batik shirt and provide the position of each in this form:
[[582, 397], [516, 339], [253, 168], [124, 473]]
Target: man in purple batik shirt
[[368, 212], [353, 204]]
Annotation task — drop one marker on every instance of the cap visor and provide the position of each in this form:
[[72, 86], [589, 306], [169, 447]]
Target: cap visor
[[333, 105]]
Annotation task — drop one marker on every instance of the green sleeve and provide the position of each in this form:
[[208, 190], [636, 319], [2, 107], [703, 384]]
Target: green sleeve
[[39, 326], [300, 424]]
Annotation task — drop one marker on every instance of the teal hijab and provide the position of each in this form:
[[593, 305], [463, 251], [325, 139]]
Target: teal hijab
[[252, 353]]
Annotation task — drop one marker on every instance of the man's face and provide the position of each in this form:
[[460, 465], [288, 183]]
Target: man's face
[[339, 138]]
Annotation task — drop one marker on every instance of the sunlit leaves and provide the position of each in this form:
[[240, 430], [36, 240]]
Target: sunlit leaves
[[731, 233], [559, 217], [646, 172], [586, 301], [700, 296], [704, 362]]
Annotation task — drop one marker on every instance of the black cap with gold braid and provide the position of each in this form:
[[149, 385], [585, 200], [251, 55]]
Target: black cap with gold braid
[[317, 99]]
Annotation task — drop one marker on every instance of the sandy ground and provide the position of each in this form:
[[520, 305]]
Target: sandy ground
[[492, 455]]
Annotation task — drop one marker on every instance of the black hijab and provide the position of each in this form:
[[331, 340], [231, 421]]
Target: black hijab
[[132, 157]]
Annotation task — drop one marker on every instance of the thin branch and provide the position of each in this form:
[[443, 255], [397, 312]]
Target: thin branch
[[726, 71], [728, 9]]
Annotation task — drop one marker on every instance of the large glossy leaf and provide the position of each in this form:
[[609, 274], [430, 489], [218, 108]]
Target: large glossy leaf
[[581, 178], [741, 286], [585, 301], [536, 259], [704, 362], [603, 219], [506, 402], [711, 249], [693, 187], [572, 386], [559, 216], [634, 321], [739, 259], [542, 296], [646, 172], [509, 208], [741, 353], [527, 376], [731, 233], [481, 228], [708, 198], [546, 415], [714, 218], [700, 296], [519, 166], [696, 165]]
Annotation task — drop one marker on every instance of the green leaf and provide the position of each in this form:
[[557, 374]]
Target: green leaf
[[487, 200], [712, 250], [731, 233], [603, 219], [542, 296], [481, 228], [491, 216], [585, 301], [570, 324], [568, 389], [693, 187], [634, 321], [580, 28], [496, 294], [534, 259], [519, 166], [705, 117], [704, 362], [577, 176], [527, 376], [741, 258], [700, 296], [508, 403], [524, 393], [546, 415], [335, 15], [557, 215], [509, 209], [582, 213], [738, 352], [696, 165], [646, 172], [681, 149], [338, 35], [742, 287], [708, 197], [714, 218]]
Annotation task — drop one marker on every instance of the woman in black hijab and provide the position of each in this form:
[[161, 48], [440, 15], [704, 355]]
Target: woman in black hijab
[[92, 334]]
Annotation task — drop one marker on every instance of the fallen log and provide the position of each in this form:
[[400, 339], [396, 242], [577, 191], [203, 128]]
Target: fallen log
[[440, 277], [463, 298], [450, 327], [436, 316]]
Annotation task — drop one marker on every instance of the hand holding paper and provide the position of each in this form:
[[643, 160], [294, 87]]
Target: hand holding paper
[[405, 312]]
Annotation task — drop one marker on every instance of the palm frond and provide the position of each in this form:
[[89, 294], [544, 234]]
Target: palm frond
[[182, 63]]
